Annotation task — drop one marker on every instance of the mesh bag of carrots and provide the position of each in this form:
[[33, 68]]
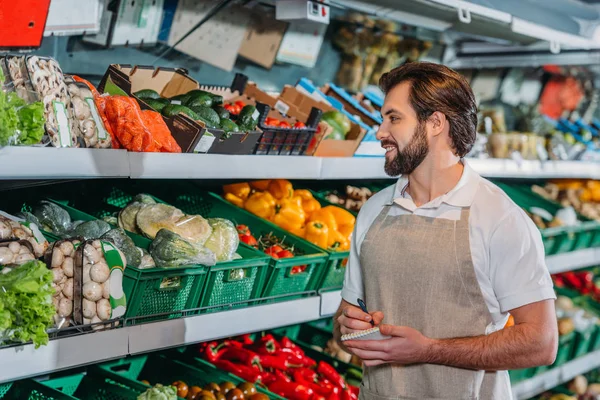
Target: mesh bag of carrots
[[131, 127]]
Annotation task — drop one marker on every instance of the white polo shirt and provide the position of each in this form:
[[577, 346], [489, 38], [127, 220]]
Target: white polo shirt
[[506, 247]]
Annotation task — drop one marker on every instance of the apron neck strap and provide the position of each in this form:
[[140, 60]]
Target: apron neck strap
[[463, 222]]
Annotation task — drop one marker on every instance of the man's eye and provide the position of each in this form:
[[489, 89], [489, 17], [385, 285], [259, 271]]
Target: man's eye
[[394, 119]]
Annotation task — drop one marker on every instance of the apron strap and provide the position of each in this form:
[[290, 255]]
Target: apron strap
[[463, 222]]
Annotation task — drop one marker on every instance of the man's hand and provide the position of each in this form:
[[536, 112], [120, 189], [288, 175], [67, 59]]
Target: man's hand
[[407, 346], [350, 318]]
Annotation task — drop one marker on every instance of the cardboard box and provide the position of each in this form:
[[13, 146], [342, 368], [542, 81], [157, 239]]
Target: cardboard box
[[263, 38], [300, 103]]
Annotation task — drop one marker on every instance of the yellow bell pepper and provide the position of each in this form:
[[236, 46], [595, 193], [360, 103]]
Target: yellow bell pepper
[[233, 199], [261, 204], [281, 189], [260, 185], [337, 241], [303, 194], [309, 203], [346, 231], [326, 217], [300, 232], [241, 190], [317, 233], [342, 216], [289, 214]]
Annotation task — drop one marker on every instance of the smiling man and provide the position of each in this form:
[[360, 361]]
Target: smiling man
[[443, 257]]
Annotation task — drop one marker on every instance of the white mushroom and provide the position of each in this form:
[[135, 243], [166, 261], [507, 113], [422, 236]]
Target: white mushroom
[[106, 290], [87, 321], [86, 273], [67, 248], [65, 307], [89, 309], [6, 256], [92, 291], [57, 257], [58, 275], [23, 258], [97, 320], [92, 255], [26, 229], [24, 250], [68, 288], [96, 243], [19, 233], [38, 248], [5, 230], [15, 247], [103, 309], [100, 272], [67, 267]]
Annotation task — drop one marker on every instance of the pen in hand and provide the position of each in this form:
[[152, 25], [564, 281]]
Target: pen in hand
[[363, 307]]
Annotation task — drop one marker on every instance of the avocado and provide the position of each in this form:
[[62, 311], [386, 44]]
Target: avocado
[[229, 126], [217, 99], [199, 100], [173, 109], [248, 118], [156, 104], [181, 98], [221, 112], [147, 93], [208, 115]]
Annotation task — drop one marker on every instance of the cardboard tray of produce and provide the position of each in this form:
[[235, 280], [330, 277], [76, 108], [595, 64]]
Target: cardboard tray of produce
[[300, 103], [169, 82], [274, 140]]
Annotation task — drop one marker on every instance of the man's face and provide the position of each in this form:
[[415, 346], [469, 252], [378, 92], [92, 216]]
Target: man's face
[[401, 134]]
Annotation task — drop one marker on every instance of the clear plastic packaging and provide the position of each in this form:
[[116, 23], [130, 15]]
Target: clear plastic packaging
[[20, 78], [48, 81], [13, 228], [86, 120], [16, 252]]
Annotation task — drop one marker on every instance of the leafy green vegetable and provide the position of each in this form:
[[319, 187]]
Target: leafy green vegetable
[[224, 239], [159, 392], [26, 308], [9, 119], [169, 250], [31, 123]]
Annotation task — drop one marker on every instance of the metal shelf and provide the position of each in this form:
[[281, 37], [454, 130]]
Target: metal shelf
[[573, 260], [556, 376], [62, 163]]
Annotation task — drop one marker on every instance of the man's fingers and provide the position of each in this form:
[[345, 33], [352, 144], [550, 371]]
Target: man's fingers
[[352, 323], [392, 330], [371, 345], [345, 331], [377, 317], [356, 313], [374, 363], [367, 355]]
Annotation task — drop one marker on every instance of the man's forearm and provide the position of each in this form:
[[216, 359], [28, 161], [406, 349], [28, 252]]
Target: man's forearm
[[520, 346]]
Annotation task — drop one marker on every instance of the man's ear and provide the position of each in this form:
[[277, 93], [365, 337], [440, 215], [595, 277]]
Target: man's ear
[[438, 122]]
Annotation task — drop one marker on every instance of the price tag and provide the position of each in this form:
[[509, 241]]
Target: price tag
[[282, 107], [64, 131], [102, 134], [205, 143], [176, 102], [255, 114]]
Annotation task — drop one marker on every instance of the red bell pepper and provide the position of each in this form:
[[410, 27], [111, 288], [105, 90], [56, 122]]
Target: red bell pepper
[[331, 374], [241, 355], [291, 390]]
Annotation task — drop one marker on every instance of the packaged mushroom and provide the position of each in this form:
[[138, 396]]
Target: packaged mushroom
[[61, 257], [98, 285], [13, 228], [20, 79], [16, 252], [5, 83], [86, 120], [49, 83]]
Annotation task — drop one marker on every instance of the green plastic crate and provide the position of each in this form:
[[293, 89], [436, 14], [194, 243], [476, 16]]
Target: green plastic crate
[[519, 375], [95, 386], [566, 345], [560, 239], [28, 389], [583, 342], [279, 279]]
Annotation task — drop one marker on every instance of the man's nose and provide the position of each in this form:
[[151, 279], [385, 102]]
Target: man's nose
[[382, 132]]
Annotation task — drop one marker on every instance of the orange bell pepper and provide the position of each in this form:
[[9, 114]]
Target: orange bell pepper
[[261, 185], [281, 189], [300, 232], [317, 233], [241, 190], [346, 231], [233, 199], [326, 217], [289, 214], [261, 204], [309, 203], [337, 241], [342, 216]]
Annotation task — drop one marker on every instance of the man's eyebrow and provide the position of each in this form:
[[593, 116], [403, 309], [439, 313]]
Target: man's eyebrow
[[392, 110]]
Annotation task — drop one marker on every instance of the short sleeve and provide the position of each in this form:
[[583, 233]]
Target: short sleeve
[[353, 282], [518, 269]]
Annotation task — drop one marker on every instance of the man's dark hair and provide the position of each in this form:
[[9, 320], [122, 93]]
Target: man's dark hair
[[435, 87]]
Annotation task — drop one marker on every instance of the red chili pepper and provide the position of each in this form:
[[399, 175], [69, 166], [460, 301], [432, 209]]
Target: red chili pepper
[[346, 394], [249, 374], [309, 378], [291, 390], [281, 376], [316, 396], [266, 345], [268, 378], [586, 278], [286, 343], [213, 351], [241, 355], [247, 339], [298, 359], [559, 281], [335, 394], [331, 374], [275, 362], [354, 389], [572, 280]]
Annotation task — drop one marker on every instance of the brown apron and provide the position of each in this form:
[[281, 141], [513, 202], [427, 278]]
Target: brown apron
[[419, 272]]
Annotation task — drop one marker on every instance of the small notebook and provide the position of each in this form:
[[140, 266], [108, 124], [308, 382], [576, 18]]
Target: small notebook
[[368, 334]]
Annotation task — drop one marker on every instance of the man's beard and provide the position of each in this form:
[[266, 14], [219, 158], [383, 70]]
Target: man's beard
[[407, 160]]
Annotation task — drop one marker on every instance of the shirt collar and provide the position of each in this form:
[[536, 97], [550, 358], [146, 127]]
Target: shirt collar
[[461, 195]]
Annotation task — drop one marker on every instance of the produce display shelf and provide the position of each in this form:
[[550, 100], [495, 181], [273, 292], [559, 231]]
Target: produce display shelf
[[52, 163], [330, 302], [24, 361], [573, 260], [62, 163], [556, 376]]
